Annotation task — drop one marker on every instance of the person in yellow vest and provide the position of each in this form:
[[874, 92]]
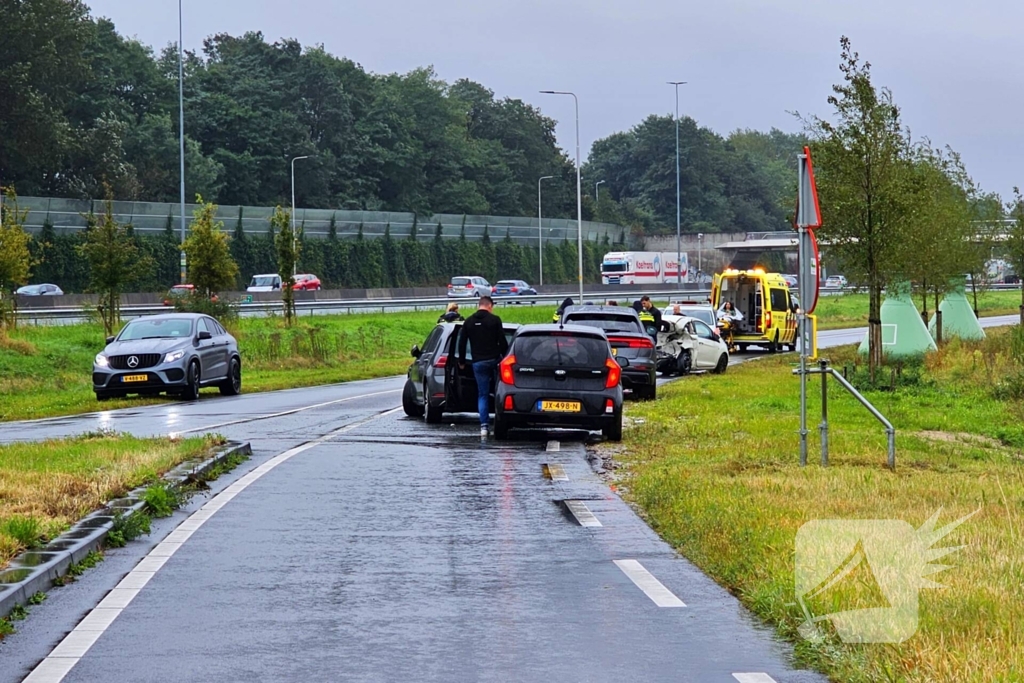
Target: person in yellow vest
[[557, 317]]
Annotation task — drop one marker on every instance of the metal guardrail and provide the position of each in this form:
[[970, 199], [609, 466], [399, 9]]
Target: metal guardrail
[[342, 306]]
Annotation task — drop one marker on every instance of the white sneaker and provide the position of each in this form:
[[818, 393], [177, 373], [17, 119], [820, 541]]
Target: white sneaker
[[483, 431]]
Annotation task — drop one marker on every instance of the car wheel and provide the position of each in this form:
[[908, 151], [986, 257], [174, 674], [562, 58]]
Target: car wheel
[[500, 428], [102, 396], [684, 364], [191, 392], [791, 347], [613, 431], [723, 363], [232, 386], [409, 405], [774, 346], [646, 393], [430, 412]]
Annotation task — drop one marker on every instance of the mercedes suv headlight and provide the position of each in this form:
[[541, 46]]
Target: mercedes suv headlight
[[102, 361], [174, 355]]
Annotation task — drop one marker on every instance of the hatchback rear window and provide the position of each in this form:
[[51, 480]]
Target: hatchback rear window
[[561, 350], [608, 322], [460, 281]]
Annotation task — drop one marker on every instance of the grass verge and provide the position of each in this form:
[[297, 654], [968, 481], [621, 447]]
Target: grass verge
[[46, 487], [851, 310], [714, 469], [46, 371]]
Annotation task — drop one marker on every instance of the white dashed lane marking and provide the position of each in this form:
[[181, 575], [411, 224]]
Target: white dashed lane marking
[[76, 644], [555, 472], [754, 678], [582, 513], [645, 581], [554, 446]]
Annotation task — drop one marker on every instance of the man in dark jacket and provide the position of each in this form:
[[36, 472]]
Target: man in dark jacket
[[486, 336]]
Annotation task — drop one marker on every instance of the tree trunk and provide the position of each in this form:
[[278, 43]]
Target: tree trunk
[[938, 320], [874, 330]]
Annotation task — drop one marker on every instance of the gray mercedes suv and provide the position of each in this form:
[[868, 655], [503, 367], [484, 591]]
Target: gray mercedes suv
[[175, 353]]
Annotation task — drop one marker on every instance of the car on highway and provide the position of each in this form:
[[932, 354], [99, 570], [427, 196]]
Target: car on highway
[[1011, 279], [267, 282], [791, 280], [469, 286], [306, 282], [173, 353], [835, 282], [512, 288], [628, 339], [179, 292], [562, 376], [702, 311], [40, 290], [686, 344], [435, 384]]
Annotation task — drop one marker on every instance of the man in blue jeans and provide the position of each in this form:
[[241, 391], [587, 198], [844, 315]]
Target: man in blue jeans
[[486, 336]]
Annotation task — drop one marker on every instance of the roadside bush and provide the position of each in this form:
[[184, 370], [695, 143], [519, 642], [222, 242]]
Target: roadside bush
[[162, 499], [27, 531], [196, 303], [128, 528]]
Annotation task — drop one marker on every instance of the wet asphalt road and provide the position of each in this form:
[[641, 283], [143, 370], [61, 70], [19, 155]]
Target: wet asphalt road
[[387, 549]]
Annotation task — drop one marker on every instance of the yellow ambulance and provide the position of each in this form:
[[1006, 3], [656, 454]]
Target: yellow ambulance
[[768, 311]]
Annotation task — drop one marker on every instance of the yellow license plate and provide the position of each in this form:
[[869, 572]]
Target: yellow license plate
[[561, 406], [135, 378]]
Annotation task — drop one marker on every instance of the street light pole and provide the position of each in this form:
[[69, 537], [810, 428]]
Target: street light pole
[[679, 209], [295, 260], [579, 184], [540, 233], [700, 255], [597, 193], [181, 138]]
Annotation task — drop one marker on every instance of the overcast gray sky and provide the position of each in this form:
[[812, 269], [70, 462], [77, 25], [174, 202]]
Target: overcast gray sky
[[955, 67]]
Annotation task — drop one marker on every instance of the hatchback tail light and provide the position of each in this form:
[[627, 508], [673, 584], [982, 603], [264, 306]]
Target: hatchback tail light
[[441, 361], [449, 286], [508, 403], [505, 370], [633, 343], [614, 374], [515, 289]]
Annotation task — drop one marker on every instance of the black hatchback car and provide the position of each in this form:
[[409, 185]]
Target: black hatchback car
[[628, 339], [435, 383], [559, 376]]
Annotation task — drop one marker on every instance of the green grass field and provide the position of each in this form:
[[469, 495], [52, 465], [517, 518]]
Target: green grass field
[[851, 310], [46, 371], [714, 468], [46, 487]]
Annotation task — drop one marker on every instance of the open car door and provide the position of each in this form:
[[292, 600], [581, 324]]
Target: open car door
[[460, 383]]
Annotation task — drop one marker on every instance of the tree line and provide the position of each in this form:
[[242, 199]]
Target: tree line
[[413, 260], [102, 111]]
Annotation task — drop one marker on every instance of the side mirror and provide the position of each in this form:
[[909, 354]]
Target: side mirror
[[204, 335], [623, 362], [416, 353], [110, 340]]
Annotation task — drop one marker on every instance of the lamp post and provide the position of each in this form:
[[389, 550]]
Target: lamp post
[[540, 233], [295, 261], [700, 255], [679, 209], [181, 139], [579, 191], [597, 192]]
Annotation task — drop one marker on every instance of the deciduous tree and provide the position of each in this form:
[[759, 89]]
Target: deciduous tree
[[211, 267]]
